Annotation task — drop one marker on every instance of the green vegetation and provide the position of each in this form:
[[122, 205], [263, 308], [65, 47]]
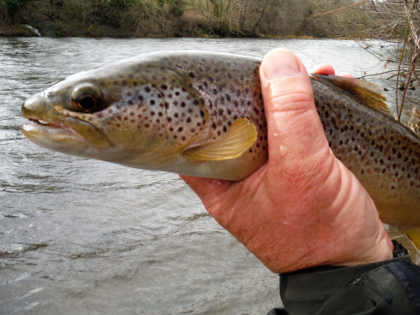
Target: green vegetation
[[10, 7], [165, 18], [114, 18]]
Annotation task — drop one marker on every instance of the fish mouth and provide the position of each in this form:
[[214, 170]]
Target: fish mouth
[[41, 130], [43, 123], [56, 131], [38, 116], [37, 121]]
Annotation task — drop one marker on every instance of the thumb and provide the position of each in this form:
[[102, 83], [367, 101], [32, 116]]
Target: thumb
[[295, 131]]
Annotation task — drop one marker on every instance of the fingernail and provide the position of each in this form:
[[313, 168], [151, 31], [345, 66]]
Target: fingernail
[[280, 63]]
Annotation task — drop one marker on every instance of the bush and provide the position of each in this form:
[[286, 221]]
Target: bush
[[11, 7]]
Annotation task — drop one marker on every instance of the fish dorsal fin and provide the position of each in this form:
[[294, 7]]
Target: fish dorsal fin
[[368, 93], [238, 139]]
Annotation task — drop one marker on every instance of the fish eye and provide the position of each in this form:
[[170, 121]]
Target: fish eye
[[87, 103], [87, 98]]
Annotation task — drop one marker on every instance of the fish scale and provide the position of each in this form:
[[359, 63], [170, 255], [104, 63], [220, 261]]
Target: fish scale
[[383, 154], [202, 114]]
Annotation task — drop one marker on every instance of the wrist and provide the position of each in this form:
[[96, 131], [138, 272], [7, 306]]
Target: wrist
[[383, 250]]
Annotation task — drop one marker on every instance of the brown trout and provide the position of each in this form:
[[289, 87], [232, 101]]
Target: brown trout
[[202, 114]]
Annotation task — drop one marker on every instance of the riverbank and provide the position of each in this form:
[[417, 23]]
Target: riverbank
[[26, 30], [19, 30], [180, 18]]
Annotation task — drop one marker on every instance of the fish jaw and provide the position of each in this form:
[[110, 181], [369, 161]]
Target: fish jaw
[[49, 128]]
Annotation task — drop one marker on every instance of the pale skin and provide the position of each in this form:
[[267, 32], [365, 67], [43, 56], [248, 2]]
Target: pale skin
[[304, 208]]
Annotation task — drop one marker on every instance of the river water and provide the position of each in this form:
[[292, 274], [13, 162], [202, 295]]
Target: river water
[[90, 237]]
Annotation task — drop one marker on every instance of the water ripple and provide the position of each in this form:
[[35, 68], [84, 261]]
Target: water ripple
[[116, 235]]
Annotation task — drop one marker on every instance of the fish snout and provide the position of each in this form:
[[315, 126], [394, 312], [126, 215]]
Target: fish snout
[[34, 107]]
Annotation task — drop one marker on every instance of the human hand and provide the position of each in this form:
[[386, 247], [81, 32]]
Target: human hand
[[304, 207]]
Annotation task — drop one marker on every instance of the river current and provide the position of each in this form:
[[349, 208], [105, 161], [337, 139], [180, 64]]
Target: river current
[[80, 236]]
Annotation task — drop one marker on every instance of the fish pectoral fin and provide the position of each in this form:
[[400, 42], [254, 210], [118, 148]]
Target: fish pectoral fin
[[414, 235], [238, 139], [368, 93]]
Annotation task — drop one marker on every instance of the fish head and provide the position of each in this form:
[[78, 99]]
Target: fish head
[[135, 112], [62, 117]]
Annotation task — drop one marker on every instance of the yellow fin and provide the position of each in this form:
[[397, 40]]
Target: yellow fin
[[238, 139], [414, 236], [368, 93]]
